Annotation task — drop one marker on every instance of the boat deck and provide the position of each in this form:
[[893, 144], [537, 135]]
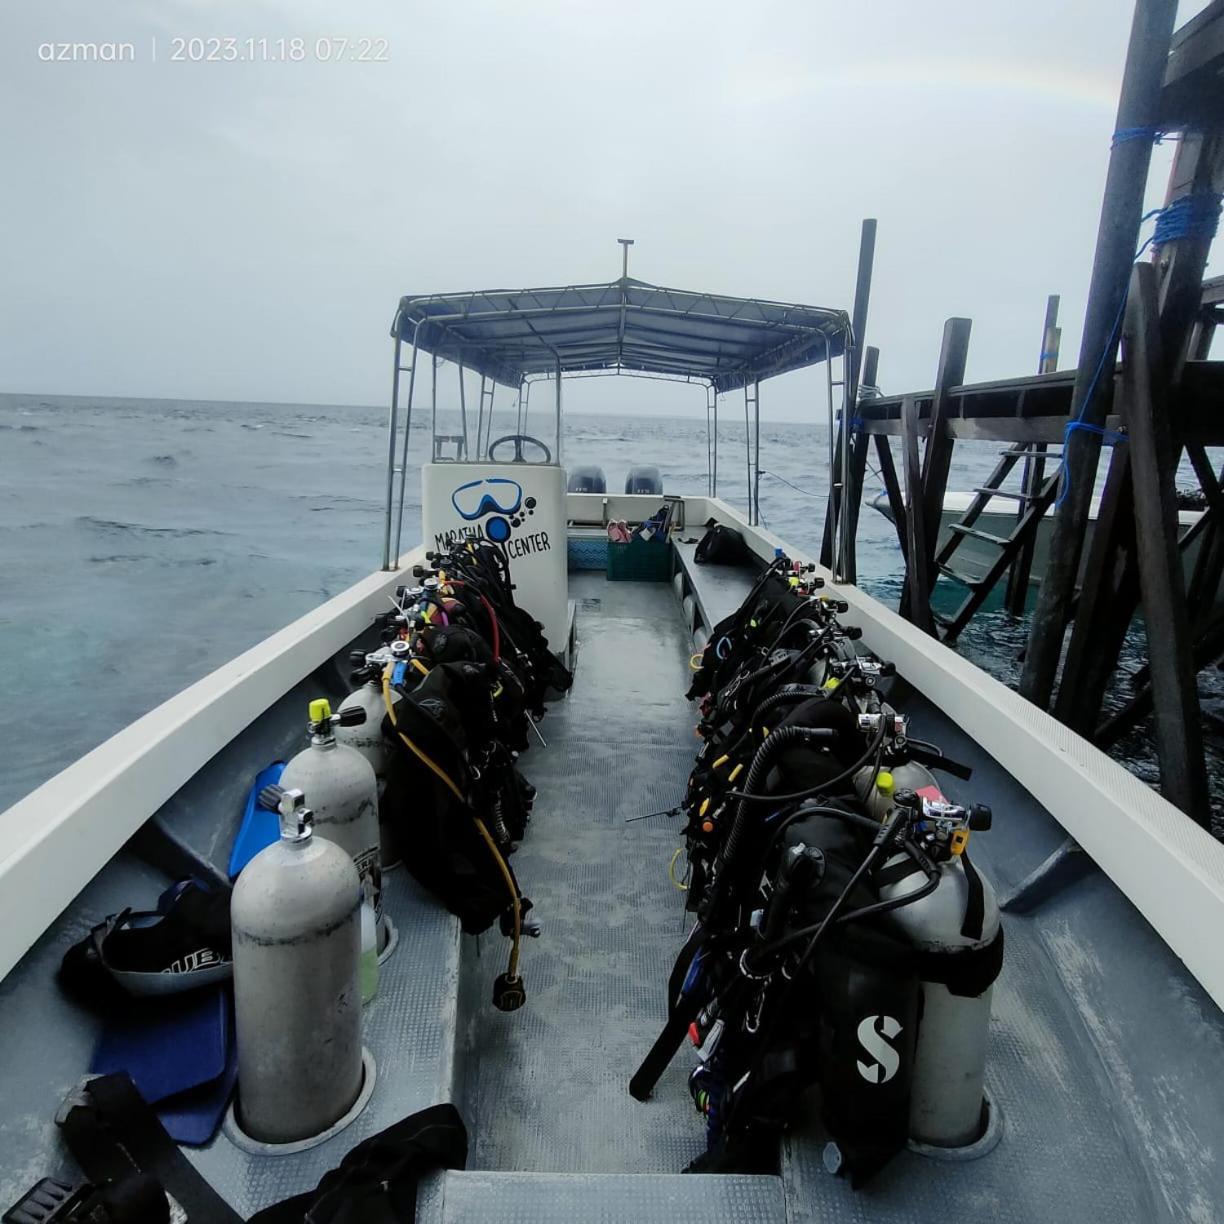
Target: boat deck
[[1100, 1040]]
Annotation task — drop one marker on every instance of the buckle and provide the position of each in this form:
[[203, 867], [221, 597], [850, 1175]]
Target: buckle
[[78, 1096]]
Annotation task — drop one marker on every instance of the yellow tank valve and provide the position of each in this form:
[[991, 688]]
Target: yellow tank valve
[[958, 841], [320, 709], [884, 782]]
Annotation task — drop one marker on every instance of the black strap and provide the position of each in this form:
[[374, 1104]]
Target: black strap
[[894, 873], [112, 1132], [967, 972], [975, 906], [665, 1047], [376, 1182]]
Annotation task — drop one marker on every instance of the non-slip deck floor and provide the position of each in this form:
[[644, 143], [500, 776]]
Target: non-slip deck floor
[[546, 1086]]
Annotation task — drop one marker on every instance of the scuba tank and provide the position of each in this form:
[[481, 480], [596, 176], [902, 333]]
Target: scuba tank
[[295, 913], [366, 737], [876, 790], [343, 796], [956, 932]]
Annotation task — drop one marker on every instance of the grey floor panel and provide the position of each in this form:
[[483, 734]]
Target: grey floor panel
[[547, 1086], [410, 1029], [1104, 1055], [533, 1198]]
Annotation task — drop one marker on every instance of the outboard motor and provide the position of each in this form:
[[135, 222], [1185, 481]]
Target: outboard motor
[[644, 478], [587, 478], [295, 914], [344, 797]]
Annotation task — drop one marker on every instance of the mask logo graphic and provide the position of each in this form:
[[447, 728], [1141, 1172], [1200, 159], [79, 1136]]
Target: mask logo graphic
[[496, 499]]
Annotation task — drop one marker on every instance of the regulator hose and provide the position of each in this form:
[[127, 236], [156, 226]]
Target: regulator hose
[[761, 759], [745, 796]]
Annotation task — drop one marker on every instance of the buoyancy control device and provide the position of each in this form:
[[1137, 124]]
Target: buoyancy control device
[[296, 924], [462, 675], [844, 943]]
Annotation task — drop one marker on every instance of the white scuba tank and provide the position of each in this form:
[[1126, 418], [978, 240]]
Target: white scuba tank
[[343, 794], [367, 737], [296, 917], [955, 929]]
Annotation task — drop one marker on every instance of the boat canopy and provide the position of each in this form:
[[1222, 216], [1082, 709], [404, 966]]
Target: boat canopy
[[627, 326]]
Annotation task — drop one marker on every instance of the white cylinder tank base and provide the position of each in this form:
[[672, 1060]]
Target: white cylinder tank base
[[520, 506]]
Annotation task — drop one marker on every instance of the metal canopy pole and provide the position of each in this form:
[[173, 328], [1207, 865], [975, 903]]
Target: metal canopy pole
[[480, 418], [714, 465], [433, 405], [756, 453], [463, 410], [559, 460], [525, 392], [403, 474], [711, 399], [392, 419], [1138, 108]]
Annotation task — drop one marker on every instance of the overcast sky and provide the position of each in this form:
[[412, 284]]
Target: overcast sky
[[243, 230]]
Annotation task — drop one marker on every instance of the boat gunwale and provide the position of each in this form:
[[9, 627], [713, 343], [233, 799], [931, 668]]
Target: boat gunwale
[[64, 832]]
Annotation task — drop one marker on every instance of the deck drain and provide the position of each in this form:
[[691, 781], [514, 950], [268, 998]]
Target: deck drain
[[240, 1139]]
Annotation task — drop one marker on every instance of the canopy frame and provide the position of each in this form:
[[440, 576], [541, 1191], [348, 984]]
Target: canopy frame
[[627, 328]]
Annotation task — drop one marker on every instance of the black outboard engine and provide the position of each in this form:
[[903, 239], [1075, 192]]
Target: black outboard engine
[[644, 478], [587, 478]]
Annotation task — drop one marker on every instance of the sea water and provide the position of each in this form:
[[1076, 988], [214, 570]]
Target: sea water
[[147, 542]]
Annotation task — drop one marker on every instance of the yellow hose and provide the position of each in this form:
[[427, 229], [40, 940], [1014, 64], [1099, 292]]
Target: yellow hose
[[425, 760], [671, 870], [512, 967]]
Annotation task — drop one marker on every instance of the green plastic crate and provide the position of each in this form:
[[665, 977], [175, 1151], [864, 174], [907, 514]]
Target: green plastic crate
[[639, 561]]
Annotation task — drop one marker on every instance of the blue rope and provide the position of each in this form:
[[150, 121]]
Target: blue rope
[[1157, 135], [1195, 215]]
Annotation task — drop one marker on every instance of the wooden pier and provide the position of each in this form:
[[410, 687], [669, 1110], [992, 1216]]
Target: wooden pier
[[1161, 400]]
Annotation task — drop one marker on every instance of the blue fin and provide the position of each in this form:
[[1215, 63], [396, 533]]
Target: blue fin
[[259, 827]]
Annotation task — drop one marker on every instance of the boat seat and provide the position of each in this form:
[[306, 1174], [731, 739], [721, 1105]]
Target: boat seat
[[717, 589]]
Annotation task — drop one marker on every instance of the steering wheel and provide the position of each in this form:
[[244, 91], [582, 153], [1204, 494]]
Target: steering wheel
[[518, 440]]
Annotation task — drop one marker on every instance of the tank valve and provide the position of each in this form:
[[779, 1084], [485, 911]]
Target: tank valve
[[322, 720], [980, 817], [509, 994]]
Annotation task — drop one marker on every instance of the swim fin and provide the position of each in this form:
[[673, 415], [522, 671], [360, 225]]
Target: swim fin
[[259, 828]]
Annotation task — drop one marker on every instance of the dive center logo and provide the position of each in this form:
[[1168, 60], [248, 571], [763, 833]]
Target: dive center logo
[[871, 1033], [496, 507]]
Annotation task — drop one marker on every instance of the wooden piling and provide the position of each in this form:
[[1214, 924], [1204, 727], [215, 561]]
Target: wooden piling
[[1178, 731]]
